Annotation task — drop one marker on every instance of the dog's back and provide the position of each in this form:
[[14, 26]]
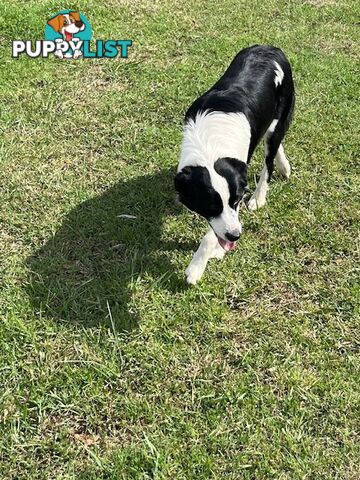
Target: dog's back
[[259, 83]]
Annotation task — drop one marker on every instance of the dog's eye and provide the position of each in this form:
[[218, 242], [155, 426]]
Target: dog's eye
[[72, 20], [65, 22]]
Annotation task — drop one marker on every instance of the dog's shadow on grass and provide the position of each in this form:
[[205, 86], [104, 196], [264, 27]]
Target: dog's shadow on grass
[[85, 273]]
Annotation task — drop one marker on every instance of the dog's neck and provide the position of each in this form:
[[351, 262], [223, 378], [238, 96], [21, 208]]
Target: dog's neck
[[215, 135]]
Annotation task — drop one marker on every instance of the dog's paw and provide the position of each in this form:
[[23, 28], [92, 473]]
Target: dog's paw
[[255, 203], [282, 163], [77, 54], [59, 54], [284, 169], [193, 273]]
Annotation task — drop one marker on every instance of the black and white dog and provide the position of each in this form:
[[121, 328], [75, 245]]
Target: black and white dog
[[254, 98]]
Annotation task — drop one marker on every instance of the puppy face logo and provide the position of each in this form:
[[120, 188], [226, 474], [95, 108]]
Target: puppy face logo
[[67, 24], [68, 29], [68, 35]]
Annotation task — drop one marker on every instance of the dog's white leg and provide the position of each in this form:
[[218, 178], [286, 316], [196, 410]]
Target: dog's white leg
[[258, 199], [209, 248], [77, 54], [76, 45], [218, 252], [282, 163]]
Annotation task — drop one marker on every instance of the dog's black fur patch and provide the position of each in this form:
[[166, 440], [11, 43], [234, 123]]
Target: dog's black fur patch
[[195, 191], [235, 174]]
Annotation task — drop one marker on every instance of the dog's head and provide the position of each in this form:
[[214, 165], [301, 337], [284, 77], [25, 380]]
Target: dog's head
[[215, 194], [67, 24]]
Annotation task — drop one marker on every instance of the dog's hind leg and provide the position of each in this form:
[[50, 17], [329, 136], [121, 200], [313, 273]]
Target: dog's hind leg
[[282, 163], [209, 248], [272, 144], [273, 152]]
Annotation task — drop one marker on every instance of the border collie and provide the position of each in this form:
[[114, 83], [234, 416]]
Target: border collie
[[254, 98]]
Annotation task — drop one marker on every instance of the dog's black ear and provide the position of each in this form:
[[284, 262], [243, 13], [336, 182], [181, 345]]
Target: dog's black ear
[[181, 178], [241, 168]]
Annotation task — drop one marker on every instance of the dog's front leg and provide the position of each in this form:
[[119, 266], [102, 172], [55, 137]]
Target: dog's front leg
[[59, 50], [76, 44], [209, 248]]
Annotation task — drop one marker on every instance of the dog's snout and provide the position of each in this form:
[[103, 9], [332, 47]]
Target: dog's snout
[[233, 236], [79, 23]]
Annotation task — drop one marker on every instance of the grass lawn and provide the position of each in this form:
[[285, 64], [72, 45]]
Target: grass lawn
[[111, 367]]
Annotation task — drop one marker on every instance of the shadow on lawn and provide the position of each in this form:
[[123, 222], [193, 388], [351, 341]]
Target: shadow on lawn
[[94, 257]]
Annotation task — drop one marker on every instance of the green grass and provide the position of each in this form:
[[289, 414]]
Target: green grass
[[111, 367]]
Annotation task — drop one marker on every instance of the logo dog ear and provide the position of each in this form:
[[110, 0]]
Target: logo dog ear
[[181, 178], [55, 23], [75, 16]]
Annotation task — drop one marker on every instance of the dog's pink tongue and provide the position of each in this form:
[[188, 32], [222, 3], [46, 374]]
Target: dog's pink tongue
[[68, 36], [227, 246]]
